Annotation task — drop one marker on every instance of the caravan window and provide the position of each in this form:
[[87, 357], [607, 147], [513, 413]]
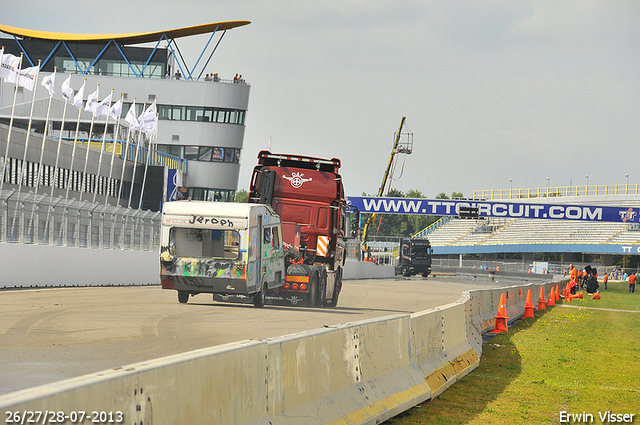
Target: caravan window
[[205, 243]]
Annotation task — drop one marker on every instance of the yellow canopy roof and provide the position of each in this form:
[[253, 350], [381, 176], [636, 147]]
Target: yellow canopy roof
[[133, 38]]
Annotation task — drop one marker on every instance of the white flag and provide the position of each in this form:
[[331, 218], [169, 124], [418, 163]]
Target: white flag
[[149, 119], [77, 99], [67, 91], [104, 107], [131, 117], [116, 110], [49, 82], [9, 70], [92, 101], [28, 77]]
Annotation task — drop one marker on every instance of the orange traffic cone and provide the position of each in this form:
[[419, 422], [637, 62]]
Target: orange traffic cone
[[596, 296], [528, 307], [552, 298], [570, 297], [501, 318], [541, 301], [557, 293]]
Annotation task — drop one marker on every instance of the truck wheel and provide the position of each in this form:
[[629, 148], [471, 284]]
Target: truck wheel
[[406, 271], [313, 290], [259, 297], [183, 297]]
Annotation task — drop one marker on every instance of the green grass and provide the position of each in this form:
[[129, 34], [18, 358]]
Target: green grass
[[569, 359]]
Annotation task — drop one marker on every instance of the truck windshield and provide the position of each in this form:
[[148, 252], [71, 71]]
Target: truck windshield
[[207, 243], [420, 251]]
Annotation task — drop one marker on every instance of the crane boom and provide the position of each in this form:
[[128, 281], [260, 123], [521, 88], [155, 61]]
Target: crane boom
[[394, 151]]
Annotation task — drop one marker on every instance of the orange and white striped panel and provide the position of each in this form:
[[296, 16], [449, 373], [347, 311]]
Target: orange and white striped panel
[[322, 247]]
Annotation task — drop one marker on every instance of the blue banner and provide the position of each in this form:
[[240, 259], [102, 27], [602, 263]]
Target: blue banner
[[498, 209], [173, 184]]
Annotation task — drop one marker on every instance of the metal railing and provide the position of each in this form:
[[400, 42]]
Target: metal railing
[[549, 192], [39, 219]]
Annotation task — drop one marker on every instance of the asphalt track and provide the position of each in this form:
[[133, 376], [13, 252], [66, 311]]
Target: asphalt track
[[47, 335]]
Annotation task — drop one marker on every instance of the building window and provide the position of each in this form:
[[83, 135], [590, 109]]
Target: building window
[[202, 153], [214, 195], [191, 153], [195, 113]]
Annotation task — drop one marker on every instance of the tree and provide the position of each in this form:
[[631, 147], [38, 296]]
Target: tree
[[397, 225], [241, 196]]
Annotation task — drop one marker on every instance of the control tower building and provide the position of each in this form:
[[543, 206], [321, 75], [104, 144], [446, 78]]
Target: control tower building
[[61, 150]]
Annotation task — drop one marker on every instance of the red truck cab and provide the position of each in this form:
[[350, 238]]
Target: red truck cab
[[307, 193]]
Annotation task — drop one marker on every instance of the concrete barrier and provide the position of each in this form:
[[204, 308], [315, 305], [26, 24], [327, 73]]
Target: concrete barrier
[[367, 270], [442, 351], [219, 385], [354, 373], [32, 265]]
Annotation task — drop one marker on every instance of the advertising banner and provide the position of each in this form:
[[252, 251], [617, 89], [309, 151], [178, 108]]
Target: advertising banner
[[497, 209]]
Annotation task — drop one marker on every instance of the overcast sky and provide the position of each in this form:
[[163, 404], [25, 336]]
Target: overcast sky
[[492, 90]]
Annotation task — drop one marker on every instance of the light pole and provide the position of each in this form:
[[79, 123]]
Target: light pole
[[587, 177], [548, 183], [511, 182], [626, 188]]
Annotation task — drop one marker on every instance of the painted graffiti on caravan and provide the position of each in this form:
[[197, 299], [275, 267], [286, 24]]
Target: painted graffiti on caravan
[[494, 209], [220, 247]]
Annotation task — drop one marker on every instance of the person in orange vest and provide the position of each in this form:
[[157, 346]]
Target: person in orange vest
[[632, 282], [573, 273], [605, 279]]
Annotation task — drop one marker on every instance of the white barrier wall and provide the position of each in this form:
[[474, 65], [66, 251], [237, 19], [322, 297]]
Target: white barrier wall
[[32, 265], [355, 373]]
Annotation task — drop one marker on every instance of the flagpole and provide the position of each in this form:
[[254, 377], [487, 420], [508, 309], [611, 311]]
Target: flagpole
[[144, 177], [149, 150], [124, 162], [13, 108], [84, 183], [56, 170], [102, 147], [113, 153], [44, 138], [75, 143], [26, 142], [135, 161], [126, 152]]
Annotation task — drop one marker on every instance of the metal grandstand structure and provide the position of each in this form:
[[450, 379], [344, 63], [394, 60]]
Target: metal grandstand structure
[[138, 67], [498, 235]]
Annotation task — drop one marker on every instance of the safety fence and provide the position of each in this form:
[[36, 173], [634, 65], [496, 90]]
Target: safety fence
[[39, 219], [357, 373], [549, 192]]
